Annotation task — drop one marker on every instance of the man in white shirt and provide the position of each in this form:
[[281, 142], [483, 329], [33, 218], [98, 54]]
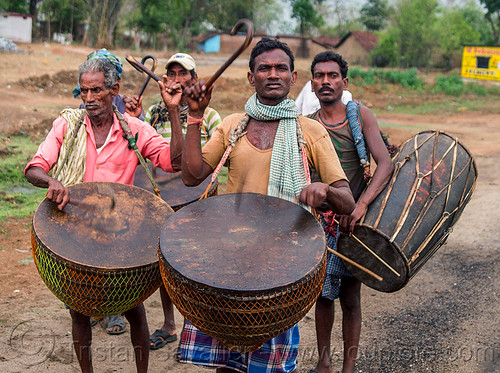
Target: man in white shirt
[[308, 103]]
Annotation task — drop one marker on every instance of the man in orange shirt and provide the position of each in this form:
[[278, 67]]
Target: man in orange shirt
[[266, 159]]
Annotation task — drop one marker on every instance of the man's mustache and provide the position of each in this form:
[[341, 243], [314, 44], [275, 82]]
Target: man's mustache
[[325, 89], [91, 105]]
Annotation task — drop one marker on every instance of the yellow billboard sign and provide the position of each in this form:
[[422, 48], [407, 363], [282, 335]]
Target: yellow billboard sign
[[479, 62]]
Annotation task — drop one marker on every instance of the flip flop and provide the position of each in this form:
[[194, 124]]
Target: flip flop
[[116, 320], [160, 338]]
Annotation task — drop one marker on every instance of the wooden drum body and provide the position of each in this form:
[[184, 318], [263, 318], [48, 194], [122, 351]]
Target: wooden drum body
[[243, 268], [172, 188], [411, 218], [98, 259]]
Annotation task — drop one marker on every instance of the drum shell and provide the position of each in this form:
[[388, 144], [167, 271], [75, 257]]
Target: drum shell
[[82, 287], [172, 189], [237, 316], [411, 218], [216, 311], [108, 276]]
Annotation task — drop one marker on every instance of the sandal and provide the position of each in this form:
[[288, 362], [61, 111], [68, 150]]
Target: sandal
[[160, 338], [116, 320]]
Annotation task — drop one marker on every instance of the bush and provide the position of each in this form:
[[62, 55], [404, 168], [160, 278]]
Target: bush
[[451, 85], [386, 53], [406, 78], [478, 89]]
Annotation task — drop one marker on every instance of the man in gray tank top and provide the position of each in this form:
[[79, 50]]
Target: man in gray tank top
[[329, 80]]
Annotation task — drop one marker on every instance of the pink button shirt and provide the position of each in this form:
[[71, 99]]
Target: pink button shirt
[[116, 162]]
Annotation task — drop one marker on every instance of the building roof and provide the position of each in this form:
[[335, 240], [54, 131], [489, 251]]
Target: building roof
[[290, 36], [204, 37], [326, 41], [208, 35], [11, 14], [365, 38]]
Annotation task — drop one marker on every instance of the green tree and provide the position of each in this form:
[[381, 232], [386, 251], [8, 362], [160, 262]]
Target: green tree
[[64, 14], [103, 17], [474, 15], [267, 15], [179, 20], [453, 31], [32, 7], [150, 19], [386, 53], [223, 14], [374, 14], [493, 17], [15, 6], [303, 11], [414, 21], [132, 21]]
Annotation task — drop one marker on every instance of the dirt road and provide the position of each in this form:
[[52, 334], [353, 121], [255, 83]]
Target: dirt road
[[445, 320]]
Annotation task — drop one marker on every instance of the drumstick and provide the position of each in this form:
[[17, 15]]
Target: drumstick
[[372, 252], [343, 257]]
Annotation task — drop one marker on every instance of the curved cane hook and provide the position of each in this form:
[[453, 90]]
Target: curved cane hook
[[246, 43], [153, 68], [141, 68]]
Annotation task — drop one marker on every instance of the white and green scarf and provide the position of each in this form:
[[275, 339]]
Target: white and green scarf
[[70, 166], [287, 176]]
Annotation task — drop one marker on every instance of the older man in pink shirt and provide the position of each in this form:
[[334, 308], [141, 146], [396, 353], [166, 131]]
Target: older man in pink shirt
[[101, 153], [114, 161]]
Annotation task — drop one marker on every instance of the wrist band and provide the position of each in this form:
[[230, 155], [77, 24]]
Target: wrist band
[[192, 121]]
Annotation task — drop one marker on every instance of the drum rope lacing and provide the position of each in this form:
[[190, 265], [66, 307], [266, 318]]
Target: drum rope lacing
[[416, 186], [446, 188]]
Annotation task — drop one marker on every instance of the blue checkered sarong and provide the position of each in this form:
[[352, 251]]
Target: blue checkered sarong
[[279, 355], [335, 269]]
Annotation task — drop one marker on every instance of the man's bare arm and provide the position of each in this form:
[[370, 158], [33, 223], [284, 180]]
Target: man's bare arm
[[337, 195], [171, 93], [194, 169], [56, 191]]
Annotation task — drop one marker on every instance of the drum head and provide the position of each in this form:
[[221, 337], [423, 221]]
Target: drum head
[[172, 188], [384, 249], [243, 242], [95, 234]]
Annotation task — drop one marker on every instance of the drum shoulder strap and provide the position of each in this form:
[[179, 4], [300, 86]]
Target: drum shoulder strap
[[356, 125]]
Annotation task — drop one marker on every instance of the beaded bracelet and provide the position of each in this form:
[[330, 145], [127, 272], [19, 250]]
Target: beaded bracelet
[[192, 121]]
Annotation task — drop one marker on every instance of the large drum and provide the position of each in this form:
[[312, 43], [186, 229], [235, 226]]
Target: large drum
[[172, 188], [410, 220], [243, 268], [96, 256]]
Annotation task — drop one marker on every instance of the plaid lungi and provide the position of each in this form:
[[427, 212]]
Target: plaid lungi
[[335, 269], [279, 355]]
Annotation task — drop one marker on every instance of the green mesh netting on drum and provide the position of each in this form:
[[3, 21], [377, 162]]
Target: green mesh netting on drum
[[91, 291]]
